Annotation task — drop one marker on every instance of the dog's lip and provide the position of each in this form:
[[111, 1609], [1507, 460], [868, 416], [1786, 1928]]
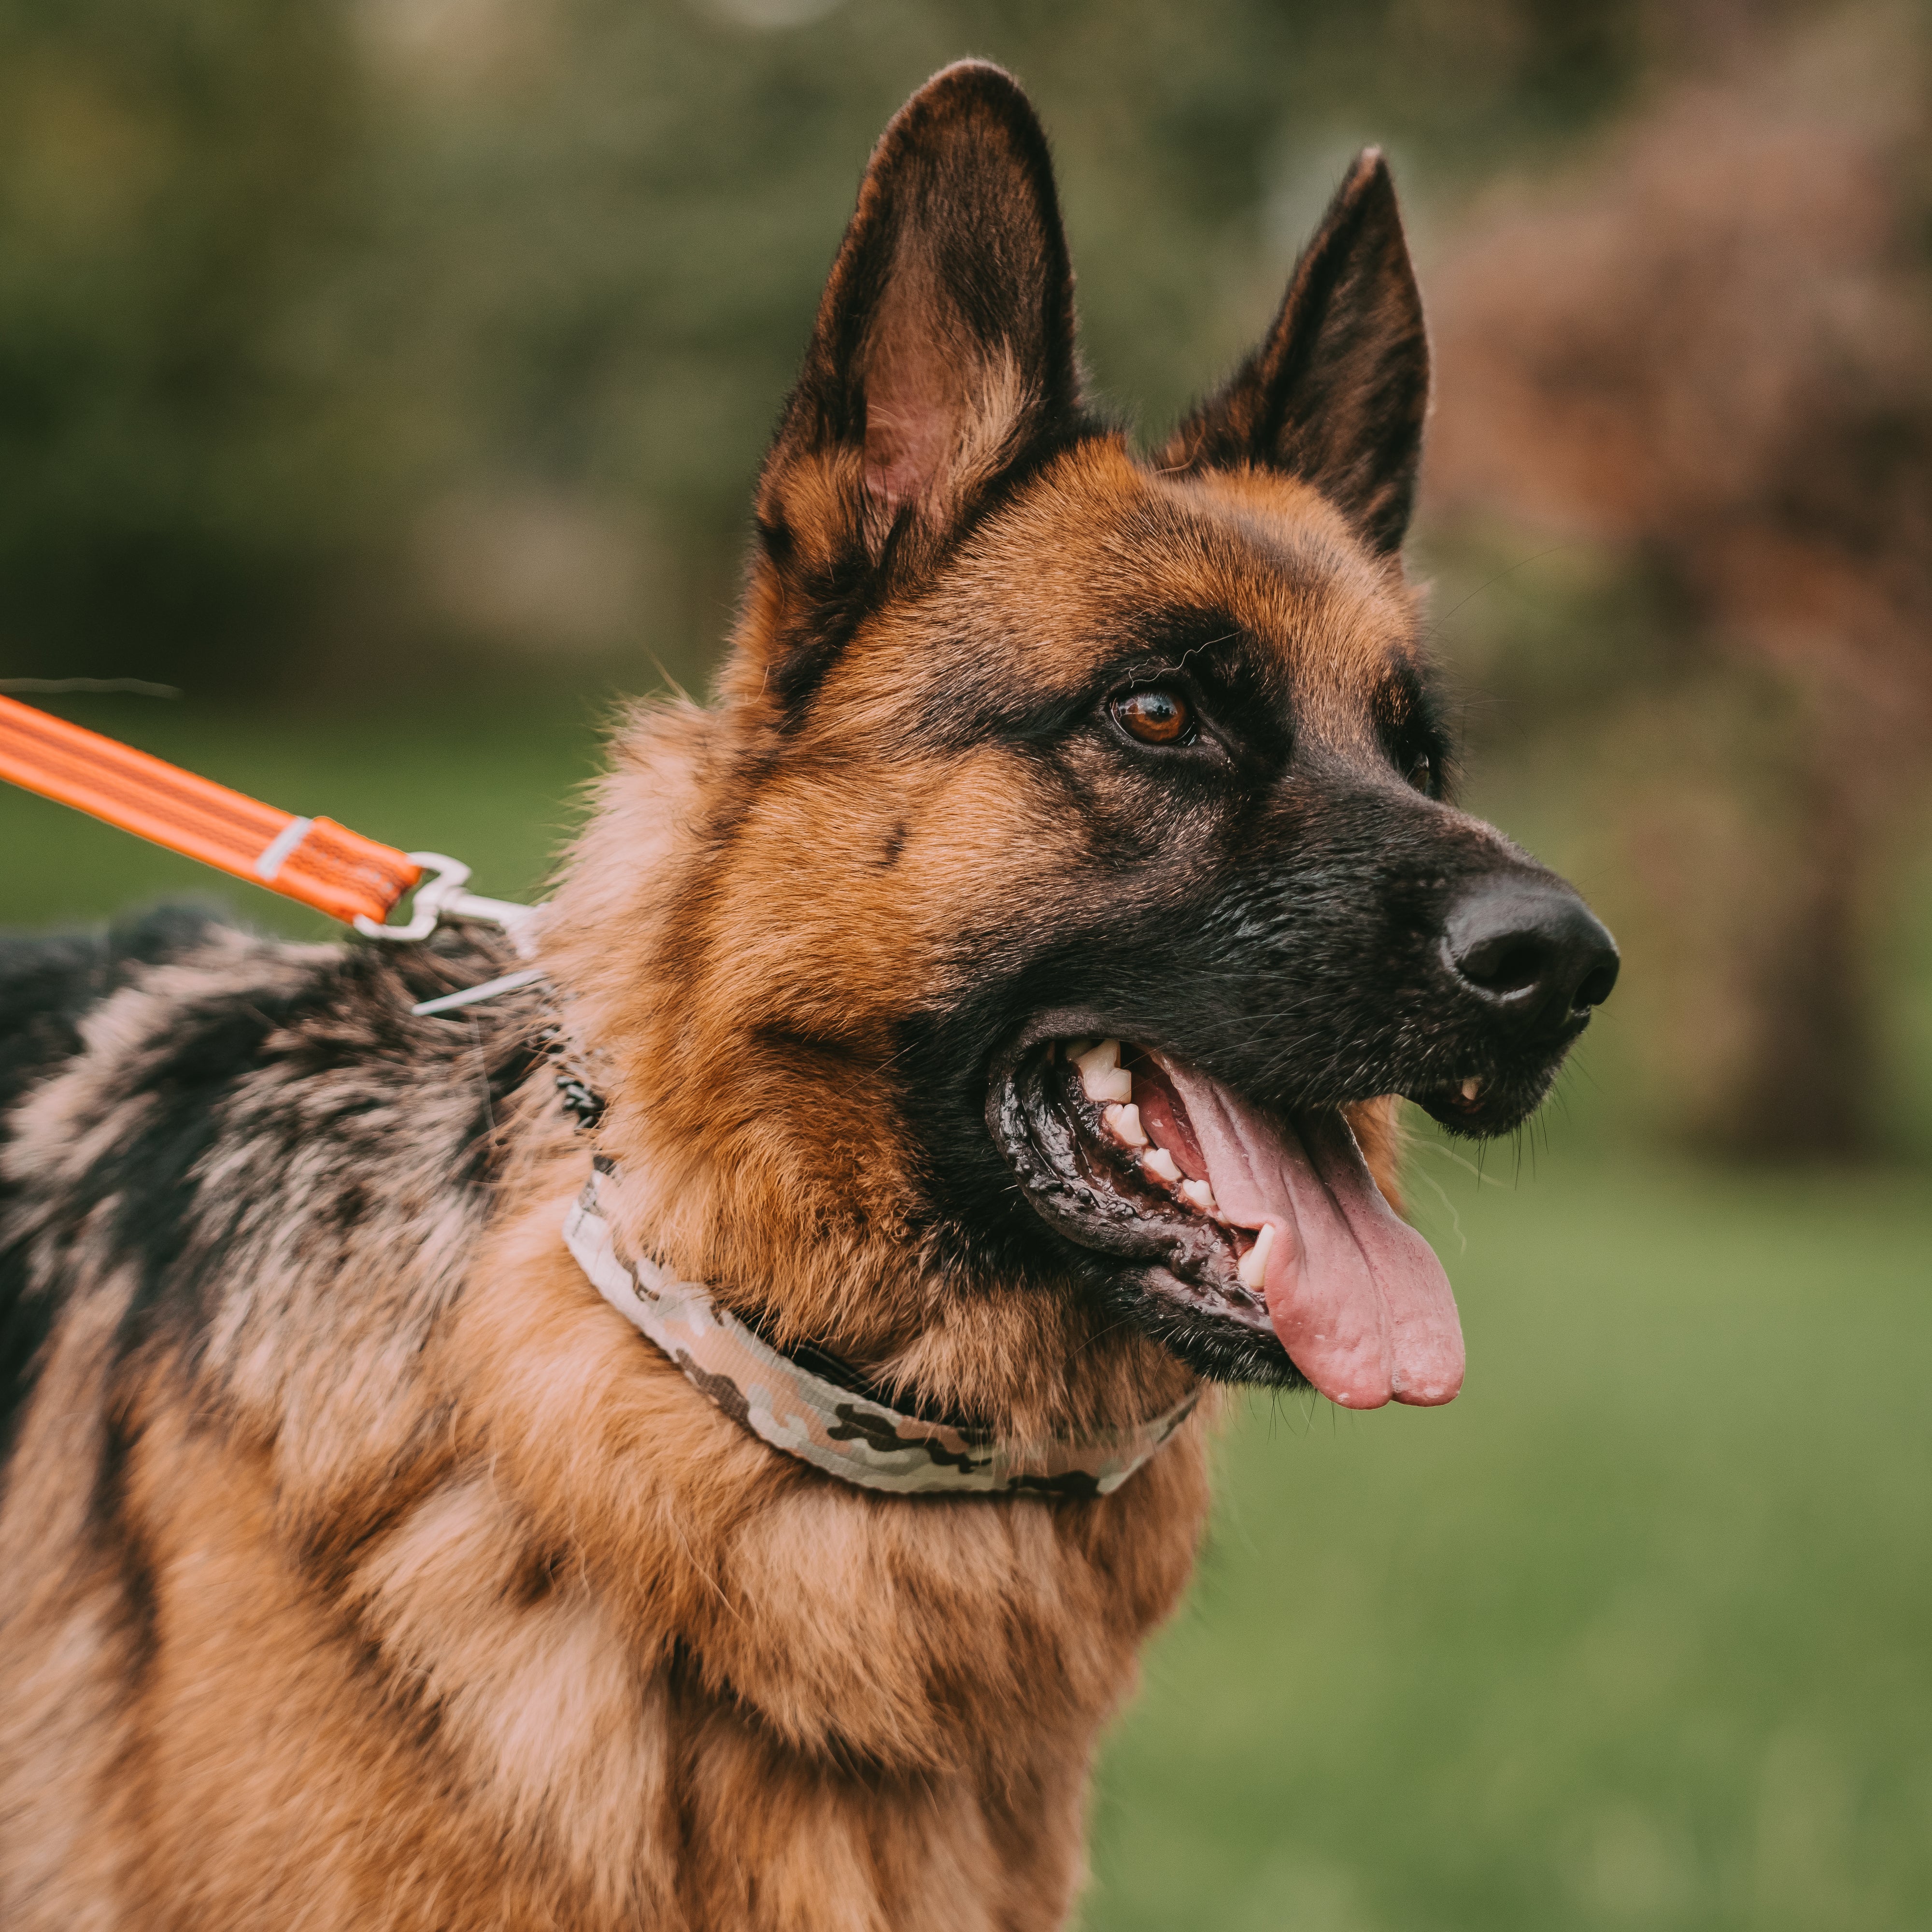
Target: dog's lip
[[1481, 1104], [1061, 1023], [1186, 1250], [1463, 1104], [1057, 1023], [1288, 1230]]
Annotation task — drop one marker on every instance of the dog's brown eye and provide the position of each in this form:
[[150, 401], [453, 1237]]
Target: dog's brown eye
[[1422, 772], [1157, 717]]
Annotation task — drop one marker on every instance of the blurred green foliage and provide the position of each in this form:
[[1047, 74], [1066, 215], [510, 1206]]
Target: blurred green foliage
[[387, 341], [172, 460]]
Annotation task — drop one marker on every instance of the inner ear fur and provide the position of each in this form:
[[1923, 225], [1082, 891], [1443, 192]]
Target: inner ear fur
[[944, 353], [1337, 393]]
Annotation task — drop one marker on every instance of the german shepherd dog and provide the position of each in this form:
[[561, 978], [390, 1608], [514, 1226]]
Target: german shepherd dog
[[996, 998]]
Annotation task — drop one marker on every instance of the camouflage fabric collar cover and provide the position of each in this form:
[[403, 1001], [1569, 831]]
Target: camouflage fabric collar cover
[[846, 1434]]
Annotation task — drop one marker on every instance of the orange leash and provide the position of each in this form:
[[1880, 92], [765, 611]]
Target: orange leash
[[322, 864], [315, 860]]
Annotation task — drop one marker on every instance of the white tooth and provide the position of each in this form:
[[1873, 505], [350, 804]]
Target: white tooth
[[1102, 1076], [1124, 1124], [1162, 1163], [1199, 1194], [1252, 1271], [1470, 1088]]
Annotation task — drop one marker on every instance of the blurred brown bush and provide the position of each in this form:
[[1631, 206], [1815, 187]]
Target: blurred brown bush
[[1710, 348]]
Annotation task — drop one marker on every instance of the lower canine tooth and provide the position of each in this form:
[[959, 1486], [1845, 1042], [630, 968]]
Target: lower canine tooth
[[1199, 1194], [1470, 1088], [1161, 1163], [1124, 1124], [1252, 1271]]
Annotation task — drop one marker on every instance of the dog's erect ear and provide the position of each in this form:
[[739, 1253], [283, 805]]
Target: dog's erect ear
[[943, 351], [1337, 393]]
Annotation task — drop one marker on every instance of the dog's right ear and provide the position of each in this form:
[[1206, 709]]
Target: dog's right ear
[[943, 355]]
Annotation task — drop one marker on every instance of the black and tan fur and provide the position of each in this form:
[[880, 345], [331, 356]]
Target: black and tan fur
[[358, 1566]]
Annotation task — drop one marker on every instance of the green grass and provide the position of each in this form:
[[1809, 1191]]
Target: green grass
[[1634, 1634]]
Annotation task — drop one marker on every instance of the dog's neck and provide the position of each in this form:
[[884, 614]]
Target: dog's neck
[[779, 1192]]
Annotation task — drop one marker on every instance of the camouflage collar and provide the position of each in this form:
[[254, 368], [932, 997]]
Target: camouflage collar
[[848, 1434]]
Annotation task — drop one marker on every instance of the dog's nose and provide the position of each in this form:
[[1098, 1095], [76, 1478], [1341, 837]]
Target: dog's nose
[[1532, 951]]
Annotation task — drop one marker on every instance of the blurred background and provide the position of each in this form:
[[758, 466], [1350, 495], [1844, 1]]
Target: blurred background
[[382, 383]]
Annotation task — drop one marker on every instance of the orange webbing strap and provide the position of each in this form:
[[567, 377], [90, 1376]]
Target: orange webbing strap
[[315, 860]]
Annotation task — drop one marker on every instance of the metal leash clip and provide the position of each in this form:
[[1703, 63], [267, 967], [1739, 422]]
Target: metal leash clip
[[441, 897]]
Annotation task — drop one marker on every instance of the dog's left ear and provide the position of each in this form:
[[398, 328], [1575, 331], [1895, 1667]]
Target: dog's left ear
[[1337, 393], [943, 351]]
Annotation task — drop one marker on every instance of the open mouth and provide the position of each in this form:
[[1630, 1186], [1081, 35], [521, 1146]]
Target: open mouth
[[1270, 1229]]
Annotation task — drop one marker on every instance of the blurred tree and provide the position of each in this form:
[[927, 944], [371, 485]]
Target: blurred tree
[[172, 467], [386, 334], [1712, 346], [619, 218]]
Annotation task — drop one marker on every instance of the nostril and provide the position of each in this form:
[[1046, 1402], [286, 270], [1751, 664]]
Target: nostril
[[1531, 950], [1596, 988], [1506, 966]]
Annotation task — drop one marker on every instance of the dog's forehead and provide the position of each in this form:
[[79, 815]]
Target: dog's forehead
[[1101, 556]]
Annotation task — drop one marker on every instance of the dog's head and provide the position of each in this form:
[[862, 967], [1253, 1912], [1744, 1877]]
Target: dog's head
[[1077, 875]]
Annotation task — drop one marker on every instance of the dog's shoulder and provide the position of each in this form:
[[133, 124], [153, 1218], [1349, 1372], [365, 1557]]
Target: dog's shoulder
[[212, 1127], [180, 1024], [48, 981]]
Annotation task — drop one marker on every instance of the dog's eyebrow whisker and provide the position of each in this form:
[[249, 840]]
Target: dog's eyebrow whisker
[[1175, 669]]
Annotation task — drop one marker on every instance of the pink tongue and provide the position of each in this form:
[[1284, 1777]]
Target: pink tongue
[[1357, 1296]]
